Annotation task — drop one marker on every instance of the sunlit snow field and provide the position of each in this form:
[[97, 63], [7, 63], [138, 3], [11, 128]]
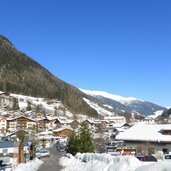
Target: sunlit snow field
[[106, 162]]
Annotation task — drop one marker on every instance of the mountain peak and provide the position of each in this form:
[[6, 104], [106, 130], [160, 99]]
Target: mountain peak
[[123, 100], [119, 104]]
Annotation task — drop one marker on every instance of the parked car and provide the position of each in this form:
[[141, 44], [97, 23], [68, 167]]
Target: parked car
[[62, 148], [2, 166], [42, 153], [5, 163], [146, 158], [167, 157]]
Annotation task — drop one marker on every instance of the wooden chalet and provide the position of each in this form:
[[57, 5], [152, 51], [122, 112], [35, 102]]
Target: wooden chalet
[[21, 122], [62, 123], [63, 132], [75, 124], [42, 124]]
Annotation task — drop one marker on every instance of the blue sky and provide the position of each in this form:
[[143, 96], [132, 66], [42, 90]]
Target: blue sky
[[119, 46]]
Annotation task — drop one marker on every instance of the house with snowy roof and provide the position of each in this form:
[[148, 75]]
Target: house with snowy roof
[[115, 129], [62, 122], [148, 138], [46, 123], [91, 123], [75, 124], [39, 115], [63, 132], [21, 122], [115, 119]]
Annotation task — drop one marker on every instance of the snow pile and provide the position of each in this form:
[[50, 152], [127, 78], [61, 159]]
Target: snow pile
[[159, 166], [100, 162], [29, 166], [106, 162]]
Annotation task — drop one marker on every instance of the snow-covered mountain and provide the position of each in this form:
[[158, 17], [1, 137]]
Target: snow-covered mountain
[[104, 103], [118, 104], [123, 100]]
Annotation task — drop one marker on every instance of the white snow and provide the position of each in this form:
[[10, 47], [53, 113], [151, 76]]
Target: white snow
[[106, 162], [48, 106], [24, 100], [108, 106], [123, 100], [29, 166], [156, 114], [146, 132], [99, 109], [159, 166]]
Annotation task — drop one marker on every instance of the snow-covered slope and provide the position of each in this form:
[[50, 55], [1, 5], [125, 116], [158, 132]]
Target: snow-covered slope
[[123, 100], [156, 114], [28, 103], [119, 104], [99, 109]]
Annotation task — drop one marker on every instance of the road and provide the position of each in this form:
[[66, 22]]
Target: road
[[51, 163]]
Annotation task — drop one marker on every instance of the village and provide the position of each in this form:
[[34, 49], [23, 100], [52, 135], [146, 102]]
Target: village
[[146, 137], [24, 134]]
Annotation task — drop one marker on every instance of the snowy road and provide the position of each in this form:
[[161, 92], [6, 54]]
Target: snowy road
[[51, 163]]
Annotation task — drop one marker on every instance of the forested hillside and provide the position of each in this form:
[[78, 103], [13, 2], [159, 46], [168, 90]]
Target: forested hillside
[[21, 74]]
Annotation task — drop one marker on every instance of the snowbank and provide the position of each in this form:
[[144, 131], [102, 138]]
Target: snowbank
[[159, 166], [29, 166], [106, 162]]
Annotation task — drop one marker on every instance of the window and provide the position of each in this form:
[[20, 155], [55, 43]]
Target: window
[[4, 151], [165, 151]]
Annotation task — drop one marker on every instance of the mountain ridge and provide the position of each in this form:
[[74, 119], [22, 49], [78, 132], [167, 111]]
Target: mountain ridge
[[121, 99], [21, 74], [123, 104]]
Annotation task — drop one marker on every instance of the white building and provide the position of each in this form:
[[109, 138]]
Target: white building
[[148, 138], [115, 119]]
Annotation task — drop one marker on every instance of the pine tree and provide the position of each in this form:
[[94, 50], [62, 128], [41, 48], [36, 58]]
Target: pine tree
[[83, 142], [86, 140], [73, 145]]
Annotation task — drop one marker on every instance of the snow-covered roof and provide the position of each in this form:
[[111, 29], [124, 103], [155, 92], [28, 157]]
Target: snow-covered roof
[[61, 129], [120, 129], [118, 125], [144, 132], [66, 121], [11, 119], [45, 133], [47, 118], [90, 121]]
